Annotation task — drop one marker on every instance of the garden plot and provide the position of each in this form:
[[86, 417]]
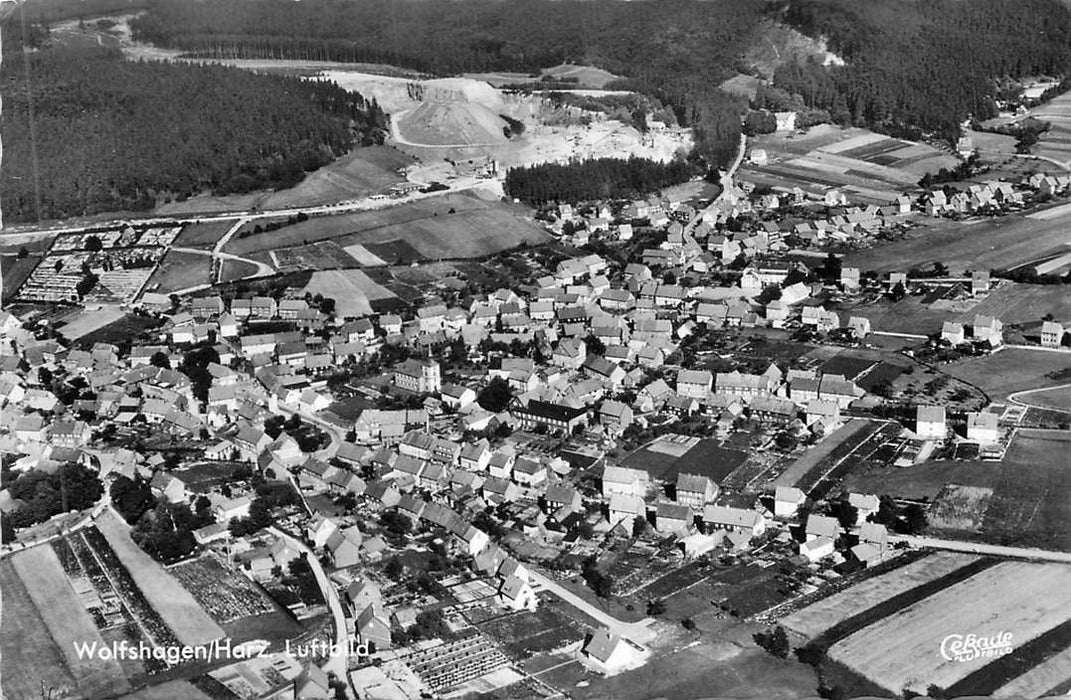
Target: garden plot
[[224, 594]]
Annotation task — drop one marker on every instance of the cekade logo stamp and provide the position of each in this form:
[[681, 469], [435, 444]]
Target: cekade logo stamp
[[958, 647]]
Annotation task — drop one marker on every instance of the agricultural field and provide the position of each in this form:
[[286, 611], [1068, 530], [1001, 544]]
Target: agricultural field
[[1056, 142], [179, 271], [1058, 399], [203, 234], [236, 270], [672, 455], [1023, 303], [175, 605], [449, 226], [828, 612], [66, 623], [358, 174], [900, 651], [868, 168], [16, 271], [1011, 370], [1001, 243], [321, 255], [1028, 506], [28, 653], [352, 290]]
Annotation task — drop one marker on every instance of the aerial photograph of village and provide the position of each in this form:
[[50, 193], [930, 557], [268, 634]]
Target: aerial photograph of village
[[535, 349]]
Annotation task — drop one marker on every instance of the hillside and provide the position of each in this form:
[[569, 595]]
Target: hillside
[[674, 50], [113, 135], [921, 68]]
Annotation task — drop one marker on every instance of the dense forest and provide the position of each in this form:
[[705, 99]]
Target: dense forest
[[677, 51], [108, 134], [916, 68], [586, 180]]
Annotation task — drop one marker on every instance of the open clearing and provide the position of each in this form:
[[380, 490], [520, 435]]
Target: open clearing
[[1009, 371], [90, 319], [28, 655], [901, 651], [180, 270], [352, 290], [176, 606], [826, 613], [450, 226], [360, 173], [67, 621], [867, 167]]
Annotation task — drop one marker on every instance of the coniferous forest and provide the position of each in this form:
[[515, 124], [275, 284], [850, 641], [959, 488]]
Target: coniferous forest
[[601, 178], [110, 134], [921, 68], [674, 50]]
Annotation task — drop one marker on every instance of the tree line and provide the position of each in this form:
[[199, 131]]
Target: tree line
[[920, 69], [677, 51], [595, 179], [109, 134]]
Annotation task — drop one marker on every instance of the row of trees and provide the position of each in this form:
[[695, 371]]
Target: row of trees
[[922, 68], [86, 131], [676, 51], [601, 178]]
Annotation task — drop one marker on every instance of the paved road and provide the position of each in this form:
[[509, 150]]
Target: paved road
[[726, 185], [337, 663], [333, 431], [639, 632], [981, 548]]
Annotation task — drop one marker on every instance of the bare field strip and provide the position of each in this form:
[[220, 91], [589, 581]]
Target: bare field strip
[[902, 650], [814, 456], [827, 612], [1041, 679], [178, 608], [1020, 661], [67, 621], [28, 655]]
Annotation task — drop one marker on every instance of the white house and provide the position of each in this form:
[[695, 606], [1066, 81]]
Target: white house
[[983, 427], [930, 422], [787, 501]]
